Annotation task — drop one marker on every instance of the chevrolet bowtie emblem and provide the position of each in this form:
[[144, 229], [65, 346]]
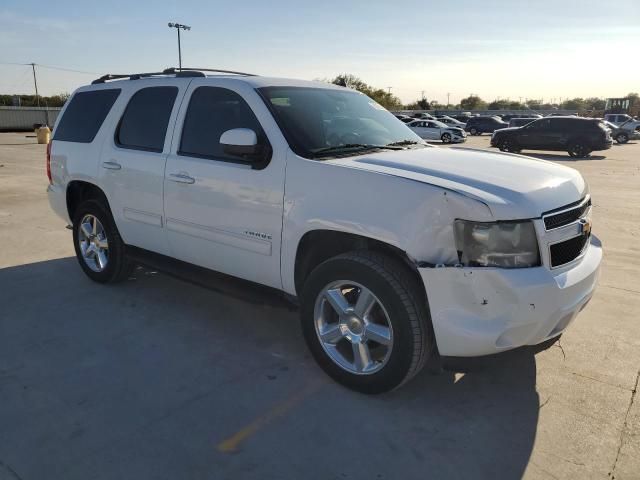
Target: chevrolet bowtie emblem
[[585, 226]]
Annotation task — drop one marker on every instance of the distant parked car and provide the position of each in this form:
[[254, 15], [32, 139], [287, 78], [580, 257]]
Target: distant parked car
[[519, 122], [424, 116], [619, 118], [452, 122], [622, 134], [480, 125], [463, 117], [577, 136], [434, 130], [404, 118]]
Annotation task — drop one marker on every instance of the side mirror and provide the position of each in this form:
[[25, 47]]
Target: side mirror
[[240, 141]]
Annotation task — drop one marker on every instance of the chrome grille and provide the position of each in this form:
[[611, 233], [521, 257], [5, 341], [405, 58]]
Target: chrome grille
[[566, 215]]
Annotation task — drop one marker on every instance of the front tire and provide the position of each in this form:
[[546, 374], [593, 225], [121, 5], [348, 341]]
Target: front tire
[[99, 248], [578, 150], [510, 146], [365, 319], [474, 131], [446, 138], [622, 138]]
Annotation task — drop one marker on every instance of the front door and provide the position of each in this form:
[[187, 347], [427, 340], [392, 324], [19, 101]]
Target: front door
[[533, 135], [222, 211], [432, 131]]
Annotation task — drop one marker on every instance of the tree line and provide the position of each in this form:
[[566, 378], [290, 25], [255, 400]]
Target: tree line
[[384, 98], [472, 102], [32, 101]]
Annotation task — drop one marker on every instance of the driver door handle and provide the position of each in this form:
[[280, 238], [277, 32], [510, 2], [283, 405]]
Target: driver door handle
[[111, 165], [181, 178]]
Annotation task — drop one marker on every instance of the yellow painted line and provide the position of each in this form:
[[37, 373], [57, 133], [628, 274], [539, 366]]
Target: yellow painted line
[[232, 444]]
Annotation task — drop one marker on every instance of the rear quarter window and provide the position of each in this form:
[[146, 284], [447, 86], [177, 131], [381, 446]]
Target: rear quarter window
[[85, 114]]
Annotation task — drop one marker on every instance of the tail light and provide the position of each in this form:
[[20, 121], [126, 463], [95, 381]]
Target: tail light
[[49, 162]]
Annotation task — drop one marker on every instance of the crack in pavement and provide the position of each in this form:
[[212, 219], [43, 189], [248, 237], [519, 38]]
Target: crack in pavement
[[11, 471], [624, 427]]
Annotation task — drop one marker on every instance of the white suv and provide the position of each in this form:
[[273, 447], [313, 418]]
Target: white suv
[[395, 250]]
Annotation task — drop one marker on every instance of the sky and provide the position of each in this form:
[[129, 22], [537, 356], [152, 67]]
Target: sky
[[536, 49]]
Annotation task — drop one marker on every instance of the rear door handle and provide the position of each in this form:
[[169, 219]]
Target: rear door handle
[[111, 165], [181, 178]]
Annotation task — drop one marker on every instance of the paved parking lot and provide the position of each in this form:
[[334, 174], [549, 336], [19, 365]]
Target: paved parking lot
[[159, 378]]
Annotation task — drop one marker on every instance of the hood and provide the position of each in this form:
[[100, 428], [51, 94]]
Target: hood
[[512, 186]]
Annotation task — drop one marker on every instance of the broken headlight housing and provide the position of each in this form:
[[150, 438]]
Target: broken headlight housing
[[497, 244]]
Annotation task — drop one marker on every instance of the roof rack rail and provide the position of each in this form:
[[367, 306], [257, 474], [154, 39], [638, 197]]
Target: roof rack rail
[[178, 72], [192, 69]]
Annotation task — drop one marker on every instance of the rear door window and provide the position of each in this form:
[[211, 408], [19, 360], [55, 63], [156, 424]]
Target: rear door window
[[143, 125], [85, 114]]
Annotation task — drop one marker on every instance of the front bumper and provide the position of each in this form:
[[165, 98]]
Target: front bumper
[[481, 311]]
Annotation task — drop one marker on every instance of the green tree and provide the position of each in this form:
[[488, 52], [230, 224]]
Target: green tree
[[421, 104], [32, 101], [473, 102], [595, 103], [574, 104], [384, 98]]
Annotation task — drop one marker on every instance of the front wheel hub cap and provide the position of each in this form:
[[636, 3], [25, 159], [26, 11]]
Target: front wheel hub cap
[[353, 327]]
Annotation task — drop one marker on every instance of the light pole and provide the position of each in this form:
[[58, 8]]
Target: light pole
[[178, 27]]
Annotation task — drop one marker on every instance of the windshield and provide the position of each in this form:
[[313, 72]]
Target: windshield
[[319, 122]]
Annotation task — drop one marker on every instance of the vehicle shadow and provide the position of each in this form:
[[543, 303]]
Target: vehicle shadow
[[561, 156], [144, 376]]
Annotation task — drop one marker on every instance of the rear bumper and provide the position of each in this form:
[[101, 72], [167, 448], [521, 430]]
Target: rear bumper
[[481, 311], [58, 201]]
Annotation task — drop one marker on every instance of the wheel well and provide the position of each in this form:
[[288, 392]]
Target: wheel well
[[78, 192], [319, 245]]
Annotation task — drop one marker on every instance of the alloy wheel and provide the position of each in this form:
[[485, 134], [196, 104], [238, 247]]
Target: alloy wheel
[[93, 243], [353, 327]]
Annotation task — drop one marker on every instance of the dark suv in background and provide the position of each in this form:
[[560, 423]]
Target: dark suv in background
[[480, 125], [577, 136]]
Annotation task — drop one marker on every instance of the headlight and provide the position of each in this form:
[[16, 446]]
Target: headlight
[[497, 244]]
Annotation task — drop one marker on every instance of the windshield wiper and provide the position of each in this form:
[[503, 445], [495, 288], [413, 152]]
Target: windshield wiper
[[358, 146], [402, 143]]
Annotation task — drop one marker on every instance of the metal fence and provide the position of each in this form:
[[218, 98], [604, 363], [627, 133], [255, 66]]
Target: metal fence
[[26, 118]]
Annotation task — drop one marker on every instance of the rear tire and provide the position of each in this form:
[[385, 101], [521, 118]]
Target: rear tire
[[99, 248], [402, 340]]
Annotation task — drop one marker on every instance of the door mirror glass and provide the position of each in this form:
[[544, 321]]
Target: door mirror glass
[[239, 141]]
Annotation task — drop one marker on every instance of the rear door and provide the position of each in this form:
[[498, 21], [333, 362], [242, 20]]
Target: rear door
[[222, 212], [133, 160]]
